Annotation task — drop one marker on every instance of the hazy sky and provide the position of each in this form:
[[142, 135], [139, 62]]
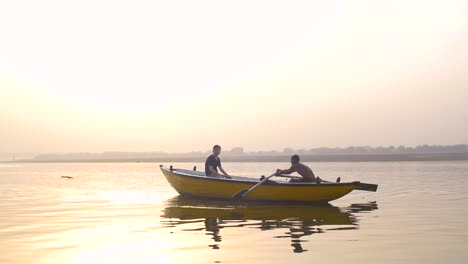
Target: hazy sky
[[184, 75]]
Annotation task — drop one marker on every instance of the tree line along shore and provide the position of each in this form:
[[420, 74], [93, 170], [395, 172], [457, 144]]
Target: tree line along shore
[[237, 154], [276, 158]]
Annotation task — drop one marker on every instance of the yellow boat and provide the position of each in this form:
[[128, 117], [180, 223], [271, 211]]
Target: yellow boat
[[197, 184]]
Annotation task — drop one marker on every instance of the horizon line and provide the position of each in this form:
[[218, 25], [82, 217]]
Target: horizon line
[[239, 147]]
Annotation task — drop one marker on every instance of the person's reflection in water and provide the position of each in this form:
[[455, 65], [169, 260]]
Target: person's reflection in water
[[297, 229], [298, 247], [212, 228], [300, 221], [305, 228]]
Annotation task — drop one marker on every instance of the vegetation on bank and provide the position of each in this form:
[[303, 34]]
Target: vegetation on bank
[[352, 153]]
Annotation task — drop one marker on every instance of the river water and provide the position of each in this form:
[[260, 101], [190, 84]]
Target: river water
[[128, 213]]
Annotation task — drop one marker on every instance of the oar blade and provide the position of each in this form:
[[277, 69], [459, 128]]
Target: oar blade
[[366, 187], [239, 195]]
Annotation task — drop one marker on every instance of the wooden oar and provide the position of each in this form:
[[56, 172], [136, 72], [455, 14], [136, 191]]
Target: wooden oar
[[366, 186], [363, 186], [244, 192], [357, 185]]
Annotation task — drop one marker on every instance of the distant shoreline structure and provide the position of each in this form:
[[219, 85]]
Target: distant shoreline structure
[[272, 158]]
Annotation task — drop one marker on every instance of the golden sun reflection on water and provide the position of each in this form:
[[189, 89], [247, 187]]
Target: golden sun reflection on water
[[149, 251], [127, 213], [188, 229]]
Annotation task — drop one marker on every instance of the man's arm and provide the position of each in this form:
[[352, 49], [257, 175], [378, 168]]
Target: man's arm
[[212, 170], [224, 172], [288, 171]]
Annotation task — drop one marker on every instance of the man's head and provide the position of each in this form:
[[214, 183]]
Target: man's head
[[294, 159], [216, 150]]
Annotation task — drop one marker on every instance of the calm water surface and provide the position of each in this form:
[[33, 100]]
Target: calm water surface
[[127, 213]]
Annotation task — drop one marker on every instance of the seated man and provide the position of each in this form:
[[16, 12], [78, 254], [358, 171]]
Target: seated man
[[213, 163], [303, 170]]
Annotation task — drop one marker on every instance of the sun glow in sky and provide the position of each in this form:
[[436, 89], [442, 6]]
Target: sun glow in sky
[[184, 75]]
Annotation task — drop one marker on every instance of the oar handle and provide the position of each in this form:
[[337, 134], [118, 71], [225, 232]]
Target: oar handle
[[258, 184], [239, 195]]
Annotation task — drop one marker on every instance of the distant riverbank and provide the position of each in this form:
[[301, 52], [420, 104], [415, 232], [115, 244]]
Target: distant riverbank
[[277, 158]]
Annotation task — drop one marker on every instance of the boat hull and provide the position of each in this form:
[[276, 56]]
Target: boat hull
[[197, 185]]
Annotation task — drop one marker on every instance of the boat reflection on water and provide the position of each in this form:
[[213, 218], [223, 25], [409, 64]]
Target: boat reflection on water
[[298, 220]]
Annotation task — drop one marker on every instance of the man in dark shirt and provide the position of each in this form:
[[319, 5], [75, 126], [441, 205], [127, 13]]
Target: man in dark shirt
[[303, 170], [213, 163]]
